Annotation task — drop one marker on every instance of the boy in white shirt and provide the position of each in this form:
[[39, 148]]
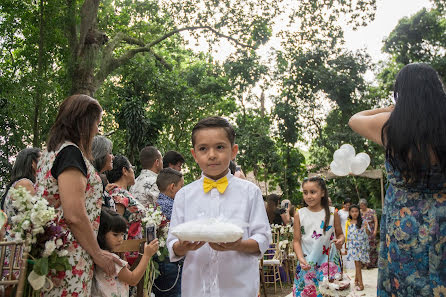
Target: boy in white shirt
[[219, 269]]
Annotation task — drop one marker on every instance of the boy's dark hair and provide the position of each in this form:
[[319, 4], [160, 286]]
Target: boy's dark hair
[[110, 221], [119, 162], [148, 156], [172, 157], [214, 122], [359, 223], [347, 200], [166, 177], [324, 201]]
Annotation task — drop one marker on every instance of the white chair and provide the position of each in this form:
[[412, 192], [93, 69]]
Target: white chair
[[272, 261]]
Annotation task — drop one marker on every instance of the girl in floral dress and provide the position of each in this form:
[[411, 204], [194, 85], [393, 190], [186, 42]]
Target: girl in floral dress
[[313, 238], [357, 243], [111, 233]]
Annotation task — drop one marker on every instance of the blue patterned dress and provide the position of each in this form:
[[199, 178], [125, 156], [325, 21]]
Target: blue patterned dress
[[357, 244], [412, 260]]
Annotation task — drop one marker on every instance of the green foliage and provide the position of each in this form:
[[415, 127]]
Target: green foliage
[[257, 150], [153, 105], [419, 38]]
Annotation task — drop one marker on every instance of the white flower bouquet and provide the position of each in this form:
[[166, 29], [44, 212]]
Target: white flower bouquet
[[154, 216], [36, 222]]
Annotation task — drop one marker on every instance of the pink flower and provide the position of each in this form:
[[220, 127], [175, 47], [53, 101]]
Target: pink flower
[[309, 276], [332, 266], [309, 291]]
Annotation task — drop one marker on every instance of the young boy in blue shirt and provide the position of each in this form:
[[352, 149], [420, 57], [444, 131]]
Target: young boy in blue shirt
[[219, 269]]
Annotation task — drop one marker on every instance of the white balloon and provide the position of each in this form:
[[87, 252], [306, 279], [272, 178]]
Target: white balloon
[[365, 157], [340, 169], [349, 149], [358, 165], [340, 156]]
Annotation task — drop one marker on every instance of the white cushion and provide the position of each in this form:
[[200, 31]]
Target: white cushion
[[209, 230]]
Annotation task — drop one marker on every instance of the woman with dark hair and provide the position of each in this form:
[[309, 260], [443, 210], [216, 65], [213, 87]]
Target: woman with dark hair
[[275, 215], [121, 178], [23, 174], [413, 223], [68, 181]]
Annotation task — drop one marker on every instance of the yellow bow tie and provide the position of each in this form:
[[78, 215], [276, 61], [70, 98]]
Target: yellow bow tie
[[221, 184]]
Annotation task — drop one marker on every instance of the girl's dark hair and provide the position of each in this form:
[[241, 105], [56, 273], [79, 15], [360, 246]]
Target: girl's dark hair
[[110, 221], [74, 122], [119, 162], [23, 168], [347, 200], [359, 221], [415, 133], [324, 201]]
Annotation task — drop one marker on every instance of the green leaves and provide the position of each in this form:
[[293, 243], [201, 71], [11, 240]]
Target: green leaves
[[43, 265]]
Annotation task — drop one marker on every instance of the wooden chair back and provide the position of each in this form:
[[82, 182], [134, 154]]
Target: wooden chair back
[[13, 262]]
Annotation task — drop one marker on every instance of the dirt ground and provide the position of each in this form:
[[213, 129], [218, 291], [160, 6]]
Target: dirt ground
[[370, 278]]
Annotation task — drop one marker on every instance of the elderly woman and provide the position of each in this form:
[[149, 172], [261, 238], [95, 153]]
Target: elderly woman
[[369, 215], [68, 180], [103, 161], [102, 153]]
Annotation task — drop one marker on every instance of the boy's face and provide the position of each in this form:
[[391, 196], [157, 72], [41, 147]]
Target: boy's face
[[213, 151], [177, 187]]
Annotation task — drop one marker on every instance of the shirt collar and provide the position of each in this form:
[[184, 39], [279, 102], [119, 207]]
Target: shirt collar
[[228, 176], [148, 172], [161, 195]]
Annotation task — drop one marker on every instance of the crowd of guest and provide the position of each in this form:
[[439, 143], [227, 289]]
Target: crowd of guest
[[95, 193]]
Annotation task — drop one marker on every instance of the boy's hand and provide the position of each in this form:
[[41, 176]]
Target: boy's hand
[[230, 246], [182, 247], [151, 248]]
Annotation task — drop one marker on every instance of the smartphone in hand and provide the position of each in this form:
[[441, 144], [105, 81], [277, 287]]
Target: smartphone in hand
[[150, 232]]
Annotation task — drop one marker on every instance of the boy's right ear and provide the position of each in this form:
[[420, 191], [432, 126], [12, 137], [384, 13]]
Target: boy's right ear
[[192, 151]]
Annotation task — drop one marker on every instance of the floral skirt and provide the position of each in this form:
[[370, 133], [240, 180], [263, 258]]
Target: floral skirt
[[412, 260], [77, 281], [306, 282]]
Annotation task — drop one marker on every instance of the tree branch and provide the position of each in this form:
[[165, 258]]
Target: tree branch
[[111, 64], [198, 28]]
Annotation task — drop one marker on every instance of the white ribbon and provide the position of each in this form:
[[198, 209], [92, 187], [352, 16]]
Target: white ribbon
[[38, 282]]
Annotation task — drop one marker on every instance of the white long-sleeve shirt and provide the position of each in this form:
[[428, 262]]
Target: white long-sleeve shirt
[[206, 272]]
